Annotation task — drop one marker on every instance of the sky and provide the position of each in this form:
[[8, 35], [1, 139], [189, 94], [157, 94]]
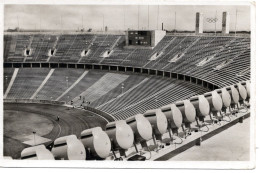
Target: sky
[[119, 17]]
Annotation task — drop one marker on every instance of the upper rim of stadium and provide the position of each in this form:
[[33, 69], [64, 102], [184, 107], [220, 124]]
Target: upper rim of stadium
[[168, 33]]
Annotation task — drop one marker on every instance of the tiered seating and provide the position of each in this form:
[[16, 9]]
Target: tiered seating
[[137, 58], [149, 95], [148, 88], [233, 50], [77, 46], [227, 75], [58, 83], [84, 84], [109, 44], [176, 91], [22, 41], [63, 46], [8, 40], [130, 83], [45, 43], [209, 51], [188, 51], [173, 42], [36, 40], [95, 51], [160, 48], [190, 55], [140, 57], [7, 76], [119, 53], [227, 61], [104, 85], [101, 44], [103, 90], [26, 83], [175, 49]]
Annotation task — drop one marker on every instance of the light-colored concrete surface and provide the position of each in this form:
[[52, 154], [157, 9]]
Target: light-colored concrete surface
[[233, 144], [36, 140]]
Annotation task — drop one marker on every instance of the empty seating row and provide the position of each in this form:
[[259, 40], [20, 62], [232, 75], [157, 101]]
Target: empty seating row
[[195, 56], [27, 82]]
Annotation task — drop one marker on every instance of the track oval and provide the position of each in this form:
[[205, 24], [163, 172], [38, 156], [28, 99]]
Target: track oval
[[72, 121]]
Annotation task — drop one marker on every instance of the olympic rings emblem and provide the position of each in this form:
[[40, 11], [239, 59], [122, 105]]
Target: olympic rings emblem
[[212, 20]]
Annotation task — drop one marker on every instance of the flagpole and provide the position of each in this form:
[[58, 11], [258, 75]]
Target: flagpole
[[124, 18], [157, 16], [216, 23], [148, 17], [175, 22], [138, 18]]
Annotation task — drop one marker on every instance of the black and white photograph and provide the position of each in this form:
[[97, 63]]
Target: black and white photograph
[[95, 83]]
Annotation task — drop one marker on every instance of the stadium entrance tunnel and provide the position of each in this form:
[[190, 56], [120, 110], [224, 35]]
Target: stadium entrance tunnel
[[52, 52], [27, 52], [107, 53], [85, 53]]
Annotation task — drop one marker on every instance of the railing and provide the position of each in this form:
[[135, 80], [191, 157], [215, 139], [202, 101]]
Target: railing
[[109, 117], [120, 69]]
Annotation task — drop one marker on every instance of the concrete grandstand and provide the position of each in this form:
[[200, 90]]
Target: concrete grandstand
[[67, 85]]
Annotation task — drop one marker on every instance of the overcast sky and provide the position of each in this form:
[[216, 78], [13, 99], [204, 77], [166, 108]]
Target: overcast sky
[[50, 16]]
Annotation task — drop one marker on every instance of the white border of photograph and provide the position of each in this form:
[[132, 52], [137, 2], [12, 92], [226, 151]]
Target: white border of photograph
[[148, 164]]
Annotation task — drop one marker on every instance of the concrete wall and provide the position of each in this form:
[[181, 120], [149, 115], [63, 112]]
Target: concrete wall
[[158, 36], [34, 101], [199, 23]]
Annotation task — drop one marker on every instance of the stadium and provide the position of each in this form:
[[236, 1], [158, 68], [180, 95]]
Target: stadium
[[135, 94]]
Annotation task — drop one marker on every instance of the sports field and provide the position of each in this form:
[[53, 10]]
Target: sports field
[[21, 120]]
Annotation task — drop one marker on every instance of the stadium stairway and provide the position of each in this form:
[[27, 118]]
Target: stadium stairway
[[105, 84], [58, 83], [71, 86], [87, 81], [7, 76], [42, 84], [130, 84], [11, 82], [26, 83], [150, 87]]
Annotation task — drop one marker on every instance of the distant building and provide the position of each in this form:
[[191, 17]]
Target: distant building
[[17, 29]]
